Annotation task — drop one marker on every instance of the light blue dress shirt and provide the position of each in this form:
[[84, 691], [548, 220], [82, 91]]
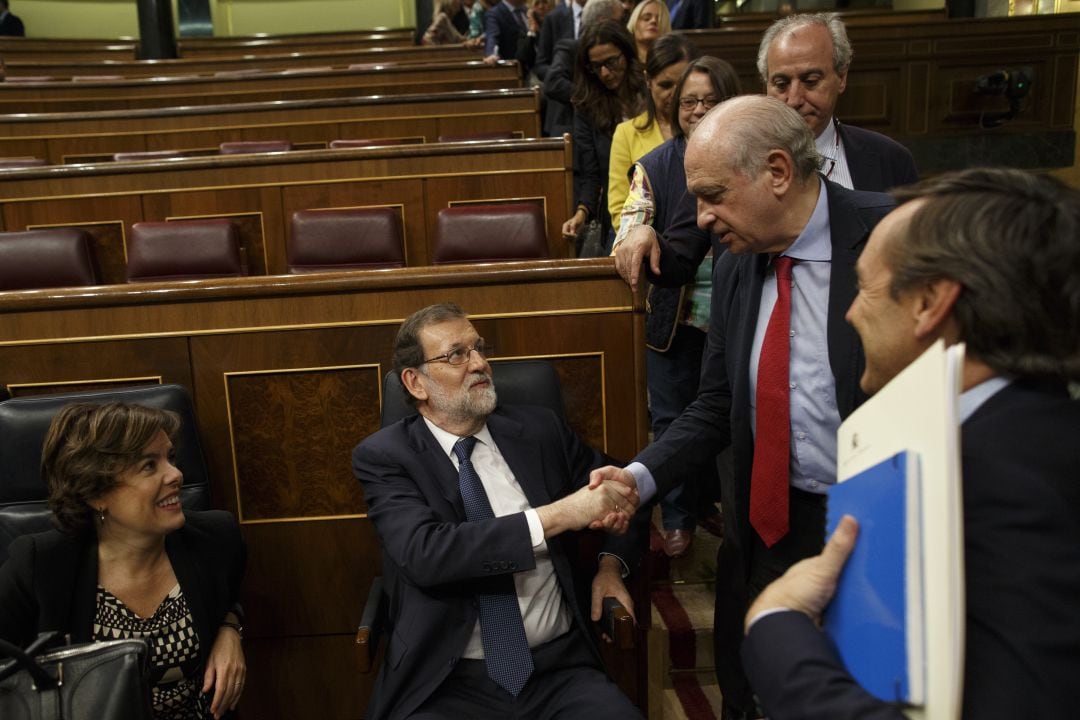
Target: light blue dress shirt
[[814, 415]]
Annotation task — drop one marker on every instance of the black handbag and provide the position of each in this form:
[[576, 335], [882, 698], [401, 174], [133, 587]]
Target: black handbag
[[96, 681]]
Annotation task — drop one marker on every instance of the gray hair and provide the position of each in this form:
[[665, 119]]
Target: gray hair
[[1010, 239], [756, 125], [599, 10], [842, 51]]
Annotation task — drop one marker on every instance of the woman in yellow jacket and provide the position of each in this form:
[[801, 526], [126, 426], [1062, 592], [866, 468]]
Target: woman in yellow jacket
[[635, 137]]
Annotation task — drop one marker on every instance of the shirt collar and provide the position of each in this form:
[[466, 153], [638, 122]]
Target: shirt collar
[[447, 440], [826, 142], [973, 398], [814, 243]]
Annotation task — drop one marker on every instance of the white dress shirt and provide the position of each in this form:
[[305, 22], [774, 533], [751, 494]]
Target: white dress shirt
[[539, 596]]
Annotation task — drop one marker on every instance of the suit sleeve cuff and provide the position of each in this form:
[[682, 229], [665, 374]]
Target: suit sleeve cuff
[[764, 614]]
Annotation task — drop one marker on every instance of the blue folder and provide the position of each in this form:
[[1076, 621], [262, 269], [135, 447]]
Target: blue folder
[[875, 629]]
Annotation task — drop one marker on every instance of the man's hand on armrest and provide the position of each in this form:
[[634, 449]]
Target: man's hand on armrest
[[632, 251], [810, 584], [609, 583]]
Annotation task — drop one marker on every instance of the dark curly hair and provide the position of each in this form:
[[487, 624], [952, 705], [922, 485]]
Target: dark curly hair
[[87, 446], [605, 108]]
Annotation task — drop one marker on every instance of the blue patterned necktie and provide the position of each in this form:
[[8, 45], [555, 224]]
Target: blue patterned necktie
[[506, 649]]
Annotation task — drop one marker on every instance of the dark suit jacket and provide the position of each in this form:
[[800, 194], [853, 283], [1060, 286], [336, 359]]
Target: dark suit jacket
[[501, 29], [693, 14], [558, 87], [558, 25], [434, 562], [1021, 550], [50, 580], [12, 26], [592, 156], [877, 163], [721, 414]]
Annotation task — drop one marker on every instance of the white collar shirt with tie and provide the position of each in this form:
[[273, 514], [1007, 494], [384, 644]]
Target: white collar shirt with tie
[[543, 609]]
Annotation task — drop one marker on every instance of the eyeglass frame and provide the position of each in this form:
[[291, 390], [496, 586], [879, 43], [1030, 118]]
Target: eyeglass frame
[[684, 103], [480, 347], [611, 65]]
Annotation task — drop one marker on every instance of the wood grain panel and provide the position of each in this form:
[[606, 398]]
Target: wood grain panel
[[63, 367], [304, 677], [277, 419]]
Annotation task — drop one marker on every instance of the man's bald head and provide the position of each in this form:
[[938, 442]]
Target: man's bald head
[[743, 130]]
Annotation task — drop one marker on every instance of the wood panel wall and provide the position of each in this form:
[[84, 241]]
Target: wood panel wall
[[260, 193], [285, 374]]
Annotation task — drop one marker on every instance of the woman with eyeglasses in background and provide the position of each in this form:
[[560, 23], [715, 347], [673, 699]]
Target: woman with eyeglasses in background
[[650, 21], [609, 87], [633, 138], [677, 318]]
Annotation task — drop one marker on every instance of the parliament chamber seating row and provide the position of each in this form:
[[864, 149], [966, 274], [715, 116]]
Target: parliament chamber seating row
[[261, 192], [28, 94], [60, 67], [94, 136], [218, 46], [320, 241]]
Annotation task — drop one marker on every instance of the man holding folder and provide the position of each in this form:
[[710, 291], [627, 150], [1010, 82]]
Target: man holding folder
[[988, 258]]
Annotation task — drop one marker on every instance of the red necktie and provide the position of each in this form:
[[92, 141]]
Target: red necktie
[[772, 443]]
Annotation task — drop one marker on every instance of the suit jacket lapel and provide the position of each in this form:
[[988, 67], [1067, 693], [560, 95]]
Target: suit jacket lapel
[[848, 234], [751, 281], [862, 162], [437, 463], [523, 456]]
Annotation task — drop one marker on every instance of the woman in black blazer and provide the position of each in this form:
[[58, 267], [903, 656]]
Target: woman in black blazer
[[128, 561], [609, 87]]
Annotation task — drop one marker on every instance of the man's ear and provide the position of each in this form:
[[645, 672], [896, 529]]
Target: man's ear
[[933, 306], [781, 171], [410, 378], [843, 82]]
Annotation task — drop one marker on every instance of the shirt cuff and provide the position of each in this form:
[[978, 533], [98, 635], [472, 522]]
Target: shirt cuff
[[536, 528], [646, 485], [625, 568], [764, 614]]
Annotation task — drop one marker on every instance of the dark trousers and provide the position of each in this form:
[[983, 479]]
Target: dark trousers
[[566, 683], [735, 591], [672, 378]]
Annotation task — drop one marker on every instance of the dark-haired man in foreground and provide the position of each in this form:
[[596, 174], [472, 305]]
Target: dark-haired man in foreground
[[988, 258]]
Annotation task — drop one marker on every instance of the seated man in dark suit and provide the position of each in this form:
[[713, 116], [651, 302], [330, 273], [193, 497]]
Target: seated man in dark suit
[[469, 501], [988, 258]]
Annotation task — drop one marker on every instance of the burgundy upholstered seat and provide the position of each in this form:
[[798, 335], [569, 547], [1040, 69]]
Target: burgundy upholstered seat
[[184, 250], [363, 143], [348, 239], [482, 233], [238, 147], [52, 257], [493, 135]]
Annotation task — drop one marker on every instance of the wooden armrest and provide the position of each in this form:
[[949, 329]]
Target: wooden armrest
[[371, 627], [618, 623]]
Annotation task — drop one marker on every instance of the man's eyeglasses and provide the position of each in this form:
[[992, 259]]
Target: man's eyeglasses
[[612, 64], [460, 356], [691, 103]]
